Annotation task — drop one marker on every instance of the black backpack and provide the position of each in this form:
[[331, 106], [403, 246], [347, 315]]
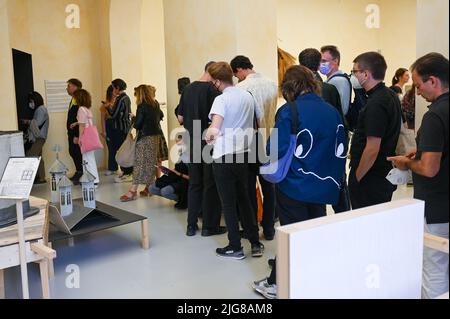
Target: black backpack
[[359, 101]]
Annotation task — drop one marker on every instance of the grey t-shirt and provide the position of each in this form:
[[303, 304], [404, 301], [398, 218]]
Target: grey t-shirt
[[344, 88]]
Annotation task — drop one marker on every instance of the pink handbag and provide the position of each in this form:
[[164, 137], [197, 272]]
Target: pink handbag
[[90, 140]]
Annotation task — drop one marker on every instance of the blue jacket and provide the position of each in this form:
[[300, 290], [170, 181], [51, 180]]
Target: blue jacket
[[316, 171]]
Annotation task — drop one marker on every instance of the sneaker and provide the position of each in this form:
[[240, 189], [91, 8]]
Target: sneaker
[[109, 173], [263, 287], [257, 250], [123, 179], [230, 253]]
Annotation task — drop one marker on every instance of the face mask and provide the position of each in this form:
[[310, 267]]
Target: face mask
[[31, 105], [325, 68], [399, 177], [355, 82]]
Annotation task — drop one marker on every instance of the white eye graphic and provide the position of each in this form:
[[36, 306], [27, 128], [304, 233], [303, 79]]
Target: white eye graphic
[[340, 140], [304, 144]]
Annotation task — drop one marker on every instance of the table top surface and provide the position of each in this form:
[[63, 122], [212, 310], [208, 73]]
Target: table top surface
[[102, 218]]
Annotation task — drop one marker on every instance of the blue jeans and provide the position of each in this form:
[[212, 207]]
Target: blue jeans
[[166, 192]]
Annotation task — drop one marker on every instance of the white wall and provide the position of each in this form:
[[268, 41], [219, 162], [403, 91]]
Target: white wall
[[432, 36], [311, 24]]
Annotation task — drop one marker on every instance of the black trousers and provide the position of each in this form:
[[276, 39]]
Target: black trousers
[[268, 192], [203, 197], [232, 184], [373, 189], [75, 153], [292, 211]]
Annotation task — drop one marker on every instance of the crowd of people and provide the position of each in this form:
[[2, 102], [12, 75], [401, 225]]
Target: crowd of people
[[231, 130]]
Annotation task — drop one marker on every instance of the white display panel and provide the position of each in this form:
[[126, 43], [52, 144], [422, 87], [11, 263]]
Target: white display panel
[[375, 252]]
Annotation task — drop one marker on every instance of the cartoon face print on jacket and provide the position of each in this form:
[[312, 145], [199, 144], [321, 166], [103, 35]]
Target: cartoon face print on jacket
[[318, 155]]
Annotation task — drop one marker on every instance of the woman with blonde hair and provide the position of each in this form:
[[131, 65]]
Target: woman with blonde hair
[[147, 141]]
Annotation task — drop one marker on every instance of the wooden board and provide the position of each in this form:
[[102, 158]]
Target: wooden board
[[34, 226], [375, 252]]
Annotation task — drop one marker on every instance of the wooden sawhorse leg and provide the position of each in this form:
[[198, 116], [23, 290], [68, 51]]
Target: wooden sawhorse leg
[[144, 227], [2, 284]]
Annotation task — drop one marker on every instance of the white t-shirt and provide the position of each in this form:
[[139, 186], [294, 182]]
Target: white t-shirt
[[237, 107]]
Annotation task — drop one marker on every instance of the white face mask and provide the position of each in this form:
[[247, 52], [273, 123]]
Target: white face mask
[[355, 82], [399, 177]]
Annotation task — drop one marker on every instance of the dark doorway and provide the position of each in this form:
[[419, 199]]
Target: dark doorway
[[23, 81]]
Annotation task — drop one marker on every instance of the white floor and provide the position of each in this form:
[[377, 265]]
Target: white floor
[[113, 265]]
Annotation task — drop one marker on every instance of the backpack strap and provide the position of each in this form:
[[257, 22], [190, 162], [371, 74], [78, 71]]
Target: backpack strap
[[294, 117]]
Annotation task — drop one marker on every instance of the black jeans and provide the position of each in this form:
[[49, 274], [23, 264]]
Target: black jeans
[[292, 211], [373, 189], [75, 153], [203, 196], [268, 193], [232, 184]]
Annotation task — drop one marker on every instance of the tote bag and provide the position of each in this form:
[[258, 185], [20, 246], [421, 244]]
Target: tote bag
[[406, 141], [275, 172], [90, 140], [125, 154]]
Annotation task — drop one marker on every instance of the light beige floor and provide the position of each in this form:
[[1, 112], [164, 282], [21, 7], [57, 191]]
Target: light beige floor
[[112, 264]]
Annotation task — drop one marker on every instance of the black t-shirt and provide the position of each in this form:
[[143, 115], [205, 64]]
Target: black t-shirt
[[396, 89], [381, 117], [195, 104], [72, 118], [433, 137]]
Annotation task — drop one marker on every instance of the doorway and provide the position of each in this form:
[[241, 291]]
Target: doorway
[[23, 82]]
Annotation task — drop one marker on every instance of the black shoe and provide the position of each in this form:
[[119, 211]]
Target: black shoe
[[212, 232], [180, 206], [257, 250], [271, 262], [269, 236], [38, 182], [229, 252], [76, 176], [191, 230]]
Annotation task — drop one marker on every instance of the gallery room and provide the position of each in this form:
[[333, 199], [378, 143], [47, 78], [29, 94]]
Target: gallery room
[[224, 149]]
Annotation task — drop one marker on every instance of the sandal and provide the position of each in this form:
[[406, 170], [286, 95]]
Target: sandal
[[145, 193], [126, 198]]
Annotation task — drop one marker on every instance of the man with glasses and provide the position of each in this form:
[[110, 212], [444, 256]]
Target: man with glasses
[[329, 66], [376, 135], [430, 166]]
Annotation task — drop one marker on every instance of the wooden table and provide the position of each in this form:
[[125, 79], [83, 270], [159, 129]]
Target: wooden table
[[37, 248]]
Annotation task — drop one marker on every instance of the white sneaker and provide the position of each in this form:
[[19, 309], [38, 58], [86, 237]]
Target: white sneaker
[[123, 179], [109, 173], [263, 287]]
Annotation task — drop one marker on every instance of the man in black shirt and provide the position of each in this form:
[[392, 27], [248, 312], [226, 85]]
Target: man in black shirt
[[430, 165], [195, 103], [72, 130], [376, 134]]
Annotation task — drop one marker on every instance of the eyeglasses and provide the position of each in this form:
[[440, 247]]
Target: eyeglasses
[[353, 72]]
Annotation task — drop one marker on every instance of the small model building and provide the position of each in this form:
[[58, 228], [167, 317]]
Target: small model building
[[88, 188], [65, 196], [57, 171]]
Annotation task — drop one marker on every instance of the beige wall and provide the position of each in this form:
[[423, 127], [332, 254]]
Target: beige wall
[[138, 48], [8, 112], [432, 36], [197, 31], [304, 24], [59, 53]]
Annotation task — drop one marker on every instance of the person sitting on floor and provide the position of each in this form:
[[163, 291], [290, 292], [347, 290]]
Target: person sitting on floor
[[174, 184]]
